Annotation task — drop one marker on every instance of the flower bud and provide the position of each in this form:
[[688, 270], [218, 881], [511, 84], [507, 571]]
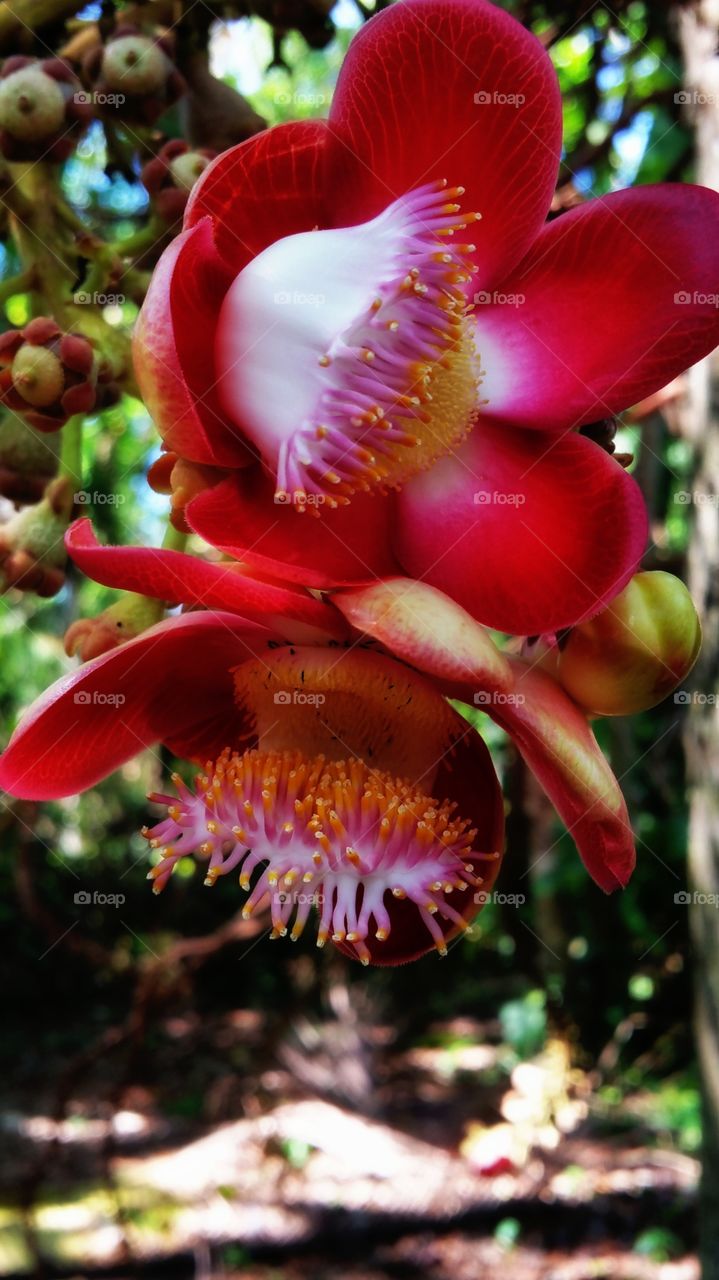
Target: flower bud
[[42, 109], [47, 376], [633, 653], [170, 176], [124, 620], [32, 550], [133, 77], [135, 64]]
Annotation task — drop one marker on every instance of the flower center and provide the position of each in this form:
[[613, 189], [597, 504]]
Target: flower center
[[347, 355], [339, 836]]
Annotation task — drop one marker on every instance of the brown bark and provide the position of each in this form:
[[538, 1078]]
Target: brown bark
[[699, 34]]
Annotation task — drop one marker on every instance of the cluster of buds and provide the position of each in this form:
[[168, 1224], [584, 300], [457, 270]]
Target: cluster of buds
[[43, 110], [48, 375], [170, 176], [133, 74], [32, 550]]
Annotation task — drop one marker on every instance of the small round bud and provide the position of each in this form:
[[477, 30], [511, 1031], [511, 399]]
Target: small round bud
[[186, 169], [633, 653], [48, 376], [32, 104], [127, 618], [135, 64], [38, 375]]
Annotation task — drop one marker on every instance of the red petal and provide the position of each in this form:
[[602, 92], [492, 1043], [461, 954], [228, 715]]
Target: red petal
[[76, 353], [176, 687], [558, 745], [78, 399], [183, 579], [421, 625], [529, 532], [41, 330], [349, 545], [266, 188], [405, 106], [620, 295], [173, 349]]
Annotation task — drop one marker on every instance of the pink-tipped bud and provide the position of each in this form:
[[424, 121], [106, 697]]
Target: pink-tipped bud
[[632, 654], [127, 618]]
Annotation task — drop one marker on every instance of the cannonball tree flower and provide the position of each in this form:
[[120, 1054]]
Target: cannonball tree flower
[[336, 774], [370, 320]]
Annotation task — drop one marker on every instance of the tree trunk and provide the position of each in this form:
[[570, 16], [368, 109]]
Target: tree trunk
[[699, 36]]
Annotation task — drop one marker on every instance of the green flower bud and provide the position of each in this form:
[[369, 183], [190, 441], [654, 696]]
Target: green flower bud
[[135, 65], [32, 105], [38, 375], [633, 653]]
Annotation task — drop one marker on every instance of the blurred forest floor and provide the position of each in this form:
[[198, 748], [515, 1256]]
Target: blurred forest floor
[[328, 1147]]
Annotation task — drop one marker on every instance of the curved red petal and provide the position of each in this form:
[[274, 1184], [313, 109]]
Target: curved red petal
[[614, 299], [349, 545], [555, 739], [173, 351], [529, 532], [420, 625], [183, 579], [268, 187], [453, 89], [171, 684]]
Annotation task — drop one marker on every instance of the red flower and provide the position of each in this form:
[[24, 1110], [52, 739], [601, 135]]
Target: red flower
[[338, 771], [296, 330]]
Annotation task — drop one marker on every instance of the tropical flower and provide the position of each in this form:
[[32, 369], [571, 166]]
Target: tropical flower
[[370, 319], [336, 773]]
